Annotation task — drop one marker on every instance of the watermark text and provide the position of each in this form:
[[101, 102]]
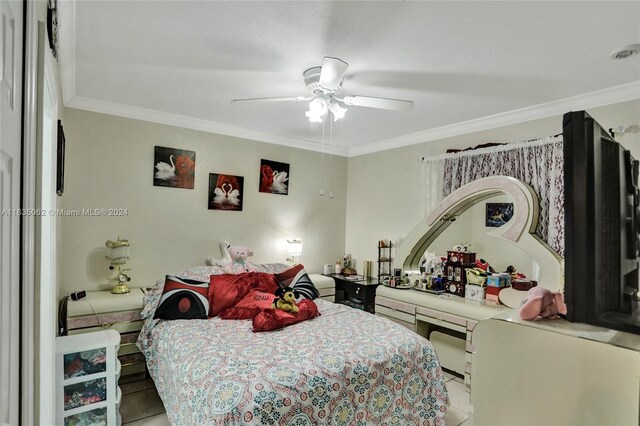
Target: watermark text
[[65, 212]]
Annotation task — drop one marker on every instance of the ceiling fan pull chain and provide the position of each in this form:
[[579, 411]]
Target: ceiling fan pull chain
[[331, 166], [322, 162], [331, 177]]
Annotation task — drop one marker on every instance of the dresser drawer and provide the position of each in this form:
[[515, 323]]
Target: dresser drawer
[[120, 327], [403, 316], [443, 316], [103, 318], [132, 369], [441, 323], [396, 305], [408, 325], [128, 348]]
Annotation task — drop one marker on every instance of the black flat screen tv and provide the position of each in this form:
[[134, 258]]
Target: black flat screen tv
[[602, 223]]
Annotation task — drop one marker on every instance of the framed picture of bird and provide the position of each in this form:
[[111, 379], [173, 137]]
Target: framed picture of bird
[[175, 168], [274, 177], [225, 192], [497, 214]]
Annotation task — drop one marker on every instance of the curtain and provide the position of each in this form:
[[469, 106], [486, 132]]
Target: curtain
[[538, 163]]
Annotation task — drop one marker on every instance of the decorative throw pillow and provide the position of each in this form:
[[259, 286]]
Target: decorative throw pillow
[[227, 290], [298, 279], [273, 319], [249, 306], [183, 299]]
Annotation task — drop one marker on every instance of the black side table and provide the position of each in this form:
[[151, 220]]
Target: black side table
[[359, 293]]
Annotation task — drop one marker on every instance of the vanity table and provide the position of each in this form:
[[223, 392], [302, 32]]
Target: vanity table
[[448, 321]]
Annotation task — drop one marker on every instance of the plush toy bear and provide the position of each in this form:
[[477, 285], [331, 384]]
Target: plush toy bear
[[286, 300], [541, 302], [239, 263]]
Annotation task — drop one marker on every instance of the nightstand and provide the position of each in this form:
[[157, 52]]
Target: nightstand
[[359, 293], [101, 310]]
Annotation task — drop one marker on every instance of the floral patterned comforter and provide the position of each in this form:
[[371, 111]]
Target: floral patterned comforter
[[346, 367]]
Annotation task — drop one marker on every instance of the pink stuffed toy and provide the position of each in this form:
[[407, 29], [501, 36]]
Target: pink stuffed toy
[[239, 263], [542, 303]]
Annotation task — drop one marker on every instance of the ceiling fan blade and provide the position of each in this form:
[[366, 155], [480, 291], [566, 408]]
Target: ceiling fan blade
[[332, 72], [275, 99], [380, 103]]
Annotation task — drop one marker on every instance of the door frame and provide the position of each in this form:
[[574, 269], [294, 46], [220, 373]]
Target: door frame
[[28, 347]]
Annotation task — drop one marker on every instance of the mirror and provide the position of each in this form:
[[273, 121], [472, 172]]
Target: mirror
[[526, 250]]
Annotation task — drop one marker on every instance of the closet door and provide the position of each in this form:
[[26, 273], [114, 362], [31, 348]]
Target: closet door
[[11, 19]]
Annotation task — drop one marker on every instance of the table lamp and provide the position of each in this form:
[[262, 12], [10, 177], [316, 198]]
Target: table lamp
[[118, 254], [294, 250]]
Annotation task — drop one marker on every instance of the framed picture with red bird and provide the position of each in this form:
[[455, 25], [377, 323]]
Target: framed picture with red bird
[[274, 177], [225, 192], [175, 168]]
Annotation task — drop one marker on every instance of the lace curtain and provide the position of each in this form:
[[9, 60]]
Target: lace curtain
[[538, 163]]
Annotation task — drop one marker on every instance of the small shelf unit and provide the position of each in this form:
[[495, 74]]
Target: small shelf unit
[[384, 259], [87, 372]]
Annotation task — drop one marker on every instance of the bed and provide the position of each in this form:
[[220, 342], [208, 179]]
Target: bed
[[345, 367]]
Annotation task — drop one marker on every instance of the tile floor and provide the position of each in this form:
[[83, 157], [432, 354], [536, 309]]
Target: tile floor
[[141, 404], [456, 416], [459, 407]]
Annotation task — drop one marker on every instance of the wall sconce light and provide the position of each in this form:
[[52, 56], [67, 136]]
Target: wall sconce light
[[294, 250], [118, 253]]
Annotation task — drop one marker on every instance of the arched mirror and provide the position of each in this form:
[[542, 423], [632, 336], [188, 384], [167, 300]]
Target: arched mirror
[[460, 217]]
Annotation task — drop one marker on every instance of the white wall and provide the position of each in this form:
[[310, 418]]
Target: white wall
[[110, 164], [386, 189]]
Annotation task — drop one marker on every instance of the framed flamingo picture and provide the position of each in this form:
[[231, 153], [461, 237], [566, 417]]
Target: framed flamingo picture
[[225, 192], [173, 167], [274, 177]]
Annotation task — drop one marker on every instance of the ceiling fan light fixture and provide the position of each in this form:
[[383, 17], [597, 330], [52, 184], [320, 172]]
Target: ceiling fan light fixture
[[337, 111], [317, 110]]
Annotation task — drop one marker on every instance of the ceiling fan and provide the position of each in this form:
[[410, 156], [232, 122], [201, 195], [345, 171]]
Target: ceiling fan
[[325, 83]]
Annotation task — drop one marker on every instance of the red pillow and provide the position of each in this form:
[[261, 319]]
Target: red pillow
[[254, 302], [227, 289], [273, 319]]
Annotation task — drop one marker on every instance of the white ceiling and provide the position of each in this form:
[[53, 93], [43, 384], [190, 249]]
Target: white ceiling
[[181, 63]]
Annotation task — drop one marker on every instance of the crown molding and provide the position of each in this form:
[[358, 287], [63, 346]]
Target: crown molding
[[612, 95], [67, 53], [153, 116]]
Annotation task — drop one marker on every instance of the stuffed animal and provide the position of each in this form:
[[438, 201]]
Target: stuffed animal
[[543, 303], [225, 259], [430, 261], [286, 299], [513, 273], [239, 263]]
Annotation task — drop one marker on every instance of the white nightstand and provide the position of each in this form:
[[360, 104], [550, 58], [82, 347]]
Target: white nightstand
[[101, 310]]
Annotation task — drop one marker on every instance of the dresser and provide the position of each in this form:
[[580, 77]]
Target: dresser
[[553, 372], [87, 371], [448, 321], [101, 310]]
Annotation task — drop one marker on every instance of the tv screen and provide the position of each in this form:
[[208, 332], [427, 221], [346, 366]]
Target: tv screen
[[602, 223]]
